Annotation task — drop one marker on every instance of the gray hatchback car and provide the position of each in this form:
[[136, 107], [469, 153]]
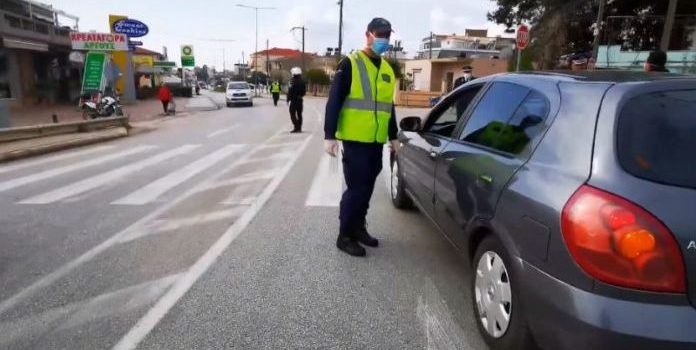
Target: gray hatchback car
[[573, 196]]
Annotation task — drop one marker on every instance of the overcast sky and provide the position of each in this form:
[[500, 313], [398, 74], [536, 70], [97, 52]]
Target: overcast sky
[[199, 22]]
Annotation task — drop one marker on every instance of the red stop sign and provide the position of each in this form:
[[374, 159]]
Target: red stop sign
[[522, 37]]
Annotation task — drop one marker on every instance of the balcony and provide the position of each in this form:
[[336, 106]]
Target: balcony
[[32, 29]]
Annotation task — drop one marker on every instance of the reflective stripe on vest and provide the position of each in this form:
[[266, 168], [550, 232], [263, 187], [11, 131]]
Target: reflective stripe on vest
[[366, 112]]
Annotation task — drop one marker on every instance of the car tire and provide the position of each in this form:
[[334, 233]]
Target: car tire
[[399, 198], [229, 105], [493, 282]]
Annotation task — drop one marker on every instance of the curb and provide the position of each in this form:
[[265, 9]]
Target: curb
[[87, 139]]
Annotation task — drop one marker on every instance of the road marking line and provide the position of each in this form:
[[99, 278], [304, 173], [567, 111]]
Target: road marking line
[[168, 225], [182, 285], [327, 186], [54, 158], [278, 156], [83, 312], [7, 185], [244, 194], [243, 179], [157, 188], [220, 132], [106, 178], [441, 330], [283, 144], [66, 268]]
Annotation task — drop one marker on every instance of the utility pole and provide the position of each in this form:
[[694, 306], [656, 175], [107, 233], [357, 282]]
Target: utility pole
[[256, 12], [600, 25], [303, 44], [669, 24], [223, 61], [268, 63], [340, 28], [430, 46]]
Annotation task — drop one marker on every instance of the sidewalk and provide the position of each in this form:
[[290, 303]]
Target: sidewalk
[[142, 110]]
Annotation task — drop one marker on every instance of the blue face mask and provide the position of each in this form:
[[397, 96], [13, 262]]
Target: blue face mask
[[380, 45]]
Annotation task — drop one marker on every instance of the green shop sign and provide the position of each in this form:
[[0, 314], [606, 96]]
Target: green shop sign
[[94, 71]]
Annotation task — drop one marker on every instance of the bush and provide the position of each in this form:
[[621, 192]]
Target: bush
[[318, 77]]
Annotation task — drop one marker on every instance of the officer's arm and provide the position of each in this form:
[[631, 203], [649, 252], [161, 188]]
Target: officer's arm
[[393, 129], [340, 88]]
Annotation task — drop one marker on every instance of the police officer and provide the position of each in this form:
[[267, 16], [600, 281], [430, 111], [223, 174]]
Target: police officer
[[467, 77], [275, 90], [360, 113], [296, 92]]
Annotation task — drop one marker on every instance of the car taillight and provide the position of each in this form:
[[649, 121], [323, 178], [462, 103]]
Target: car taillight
[[619, 243]]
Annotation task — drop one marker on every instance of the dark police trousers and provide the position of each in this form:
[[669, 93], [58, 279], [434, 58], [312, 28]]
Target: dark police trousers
[[276, 97], [362, 163], [296, 114]]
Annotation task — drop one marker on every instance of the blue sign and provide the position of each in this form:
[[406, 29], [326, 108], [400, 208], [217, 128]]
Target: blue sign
[[131, 27], [135, 43]]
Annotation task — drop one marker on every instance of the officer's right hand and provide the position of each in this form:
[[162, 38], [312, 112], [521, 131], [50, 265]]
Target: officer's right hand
[[331, 147]]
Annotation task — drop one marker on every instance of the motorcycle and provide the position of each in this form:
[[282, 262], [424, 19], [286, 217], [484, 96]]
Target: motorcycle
[[93, 106]]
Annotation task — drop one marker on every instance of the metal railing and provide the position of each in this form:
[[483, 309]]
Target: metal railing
[[33, 29]]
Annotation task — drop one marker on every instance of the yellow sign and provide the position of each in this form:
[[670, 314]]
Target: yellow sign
[[120, 57], [144, 60]]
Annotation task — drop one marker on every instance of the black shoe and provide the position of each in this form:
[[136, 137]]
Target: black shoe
[[350, 246], [365, 238]]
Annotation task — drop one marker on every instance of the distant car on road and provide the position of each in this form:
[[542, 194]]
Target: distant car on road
[[239, 92], [574, 198]]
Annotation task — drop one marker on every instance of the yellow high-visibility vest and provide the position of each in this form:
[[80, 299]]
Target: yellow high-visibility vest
[[275, 87], [368, 107]]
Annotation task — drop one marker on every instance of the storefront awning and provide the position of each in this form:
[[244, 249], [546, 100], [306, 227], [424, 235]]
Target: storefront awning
[[11, 43]]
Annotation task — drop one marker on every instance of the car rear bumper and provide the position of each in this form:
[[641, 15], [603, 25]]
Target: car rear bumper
[[562, 316]]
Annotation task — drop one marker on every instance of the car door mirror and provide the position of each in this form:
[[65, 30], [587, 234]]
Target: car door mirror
[[410, 124]]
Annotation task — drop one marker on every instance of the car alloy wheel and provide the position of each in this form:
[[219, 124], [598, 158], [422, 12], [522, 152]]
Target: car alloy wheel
[[493, 294]]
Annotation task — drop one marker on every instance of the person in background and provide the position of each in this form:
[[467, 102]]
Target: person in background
[[657, 61], [467, 77], [165, 96], [360, 112], [275, 90], [295, 96]]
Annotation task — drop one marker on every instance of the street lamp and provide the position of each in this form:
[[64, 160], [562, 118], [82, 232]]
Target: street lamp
[[256, 49]]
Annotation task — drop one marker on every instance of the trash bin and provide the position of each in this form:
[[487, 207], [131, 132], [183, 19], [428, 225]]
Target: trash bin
[[5, 113]]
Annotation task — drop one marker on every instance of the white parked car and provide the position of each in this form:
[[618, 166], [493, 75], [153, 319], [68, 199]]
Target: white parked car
[[238, 92]]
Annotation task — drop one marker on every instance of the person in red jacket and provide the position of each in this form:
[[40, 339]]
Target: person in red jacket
[[165, 95]]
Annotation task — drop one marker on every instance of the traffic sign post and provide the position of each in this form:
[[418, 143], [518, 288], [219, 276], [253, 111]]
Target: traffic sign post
[[522, 41]]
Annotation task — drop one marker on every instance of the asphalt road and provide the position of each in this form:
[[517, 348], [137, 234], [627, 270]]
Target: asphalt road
[[217, 230]]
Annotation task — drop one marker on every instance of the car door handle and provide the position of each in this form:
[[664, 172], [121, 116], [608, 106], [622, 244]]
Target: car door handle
[[484, 179]]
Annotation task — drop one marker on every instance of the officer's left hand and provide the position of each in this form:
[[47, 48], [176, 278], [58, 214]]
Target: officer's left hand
[[395, 146]]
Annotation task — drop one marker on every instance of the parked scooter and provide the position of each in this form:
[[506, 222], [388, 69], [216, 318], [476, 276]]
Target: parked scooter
[[94, 106]]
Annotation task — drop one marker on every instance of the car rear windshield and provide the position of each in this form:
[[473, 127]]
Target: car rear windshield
[[657, 137], [238, 86]]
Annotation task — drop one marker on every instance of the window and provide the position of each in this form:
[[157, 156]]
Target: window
[[450, 112], [527, 123], [238, 86], [656, 137], [488, 125]]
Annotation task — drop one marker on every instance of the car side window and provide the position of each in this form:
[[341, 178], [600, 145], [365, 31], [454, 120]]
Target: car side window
[[488, 125], [444, 121]]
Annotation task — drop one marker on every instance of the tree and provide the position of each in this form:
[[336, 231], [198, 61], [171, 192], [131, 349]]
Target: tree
[[318, 77], [396, 67], [567, 26]]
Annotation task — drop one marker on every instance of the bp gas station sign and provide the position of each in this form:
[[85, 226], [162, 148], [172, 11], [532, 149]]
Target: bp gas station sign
[[187, 58]]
